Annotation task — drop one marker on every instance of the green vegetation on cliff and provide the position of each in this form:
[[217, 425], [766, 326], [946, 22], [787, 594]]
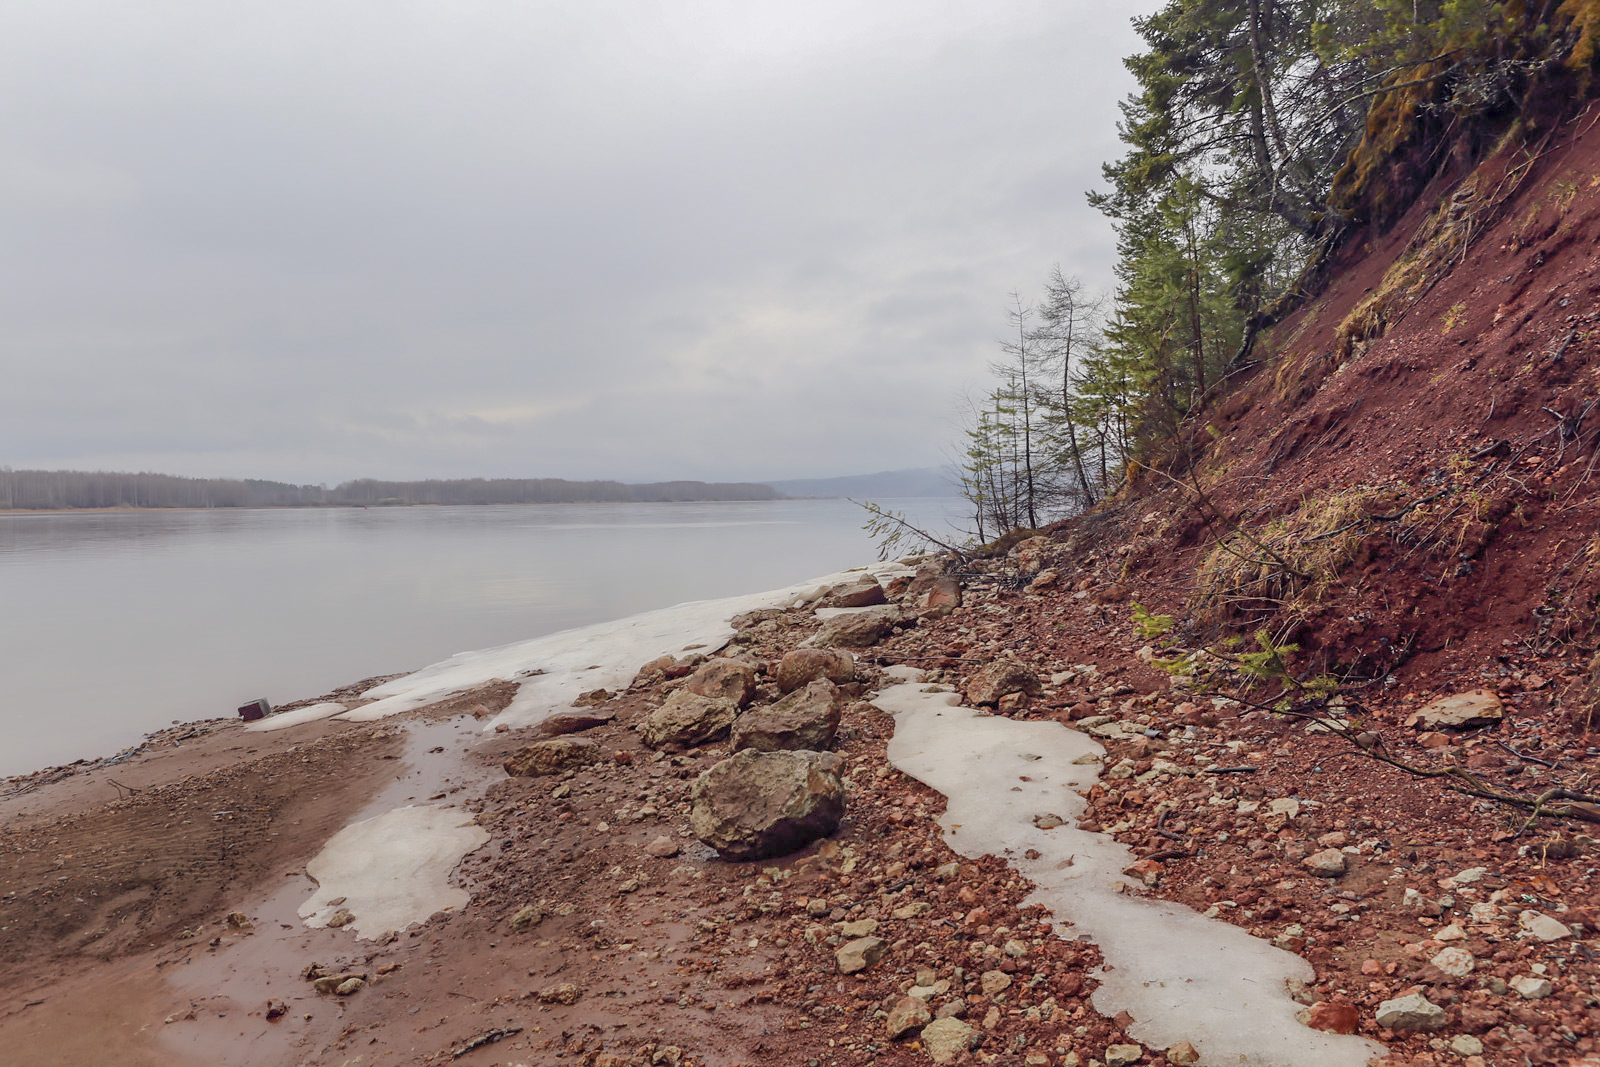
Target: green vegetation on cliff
[[1261, 135]]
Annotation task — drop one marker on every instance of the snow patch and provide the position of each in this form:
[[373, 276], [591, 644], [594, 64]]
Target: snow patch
[[1181, 976], [285, 719], [392, 870], [603, 656]]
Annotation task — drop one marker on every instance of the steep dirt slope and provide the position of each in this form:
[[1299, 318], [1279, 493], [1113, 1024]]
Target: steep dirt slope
[[1407, 479]]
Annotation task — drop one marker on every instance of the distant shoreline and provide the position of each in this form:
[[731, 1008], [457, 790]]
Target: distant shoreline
[[395, 507]]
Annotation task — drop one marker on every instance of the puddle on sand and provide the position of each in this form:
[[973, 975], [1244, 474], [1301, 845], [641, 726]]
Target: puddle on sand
[[229, 985]]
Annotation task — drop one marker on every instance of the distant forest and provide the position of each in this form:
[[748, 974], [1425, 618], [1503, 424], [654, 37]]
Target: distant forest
[[51, 490]]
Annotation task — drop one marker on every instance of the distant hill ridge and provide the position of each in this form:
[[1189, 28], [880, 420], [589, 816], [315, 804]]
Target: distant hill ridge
[[29, 490], [917, 481]]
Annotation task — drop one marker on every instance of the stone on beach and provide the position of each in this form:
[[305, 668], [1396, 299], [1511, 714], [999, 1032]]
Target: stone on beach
[[863, 594], [1529, 987], [945, 1039], [552, 757], [860, 630], [805, 719], [860, 953], [571, 721], [687, 718], [803, 666], [1000, 679], [1414, 1012], [942, 598], [908, 1015], [727, 679], [1329, 863], [1543, 927], [759, 804]]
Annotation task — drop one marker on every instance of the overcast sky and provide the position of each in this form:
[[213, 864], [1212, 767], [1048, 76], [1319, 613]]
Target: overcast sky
[[661, 238]]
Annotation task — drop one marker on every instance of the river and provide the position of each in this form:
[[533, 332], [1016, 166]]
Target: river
[[118, 623]]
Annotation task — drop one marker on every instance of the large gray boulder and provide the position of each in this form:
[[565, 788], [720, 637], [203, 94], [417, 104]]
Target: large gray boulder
[[860, 629], [753, 805], [802, 666], [688, 718], [728, 679], [805, 719]]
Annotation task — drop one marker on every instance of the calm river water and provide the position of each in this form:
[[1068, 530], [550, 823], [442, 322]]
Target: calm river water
[[113, 624]]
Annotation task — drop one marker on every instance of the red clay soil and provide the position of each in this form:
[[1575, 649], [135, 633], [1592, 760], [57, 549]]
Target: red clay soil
[[1475, 408]]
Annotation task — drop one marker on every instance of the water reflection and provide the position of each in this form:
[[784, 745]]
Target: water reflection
[[115, 623]]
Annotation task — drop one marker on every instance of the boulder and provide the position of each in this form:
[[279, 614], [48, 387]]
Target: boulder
[[805, 665], [571, 721], [688, 719], [908, 1015], [807, 718], [727, 679], [552, 757], [1460, 712], [861, 629], [945, 1039], [862, 594], [942, 597], [1414, 1013], [753, 805], [999, 679]]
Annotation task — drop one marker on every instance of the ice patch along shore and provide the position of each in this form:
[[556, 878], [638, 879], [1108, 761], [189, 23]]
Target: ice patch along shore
[[392, 870], [555, 669], [1012, 791]]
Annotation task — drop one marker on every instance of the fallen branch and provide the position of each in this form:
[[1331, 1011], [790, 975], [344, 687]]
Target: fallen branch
[[488, 1037], [890, 528]]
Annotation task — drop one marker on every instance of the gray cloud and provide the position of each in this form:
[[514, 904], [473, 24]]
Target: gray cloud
[[637, 240]]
